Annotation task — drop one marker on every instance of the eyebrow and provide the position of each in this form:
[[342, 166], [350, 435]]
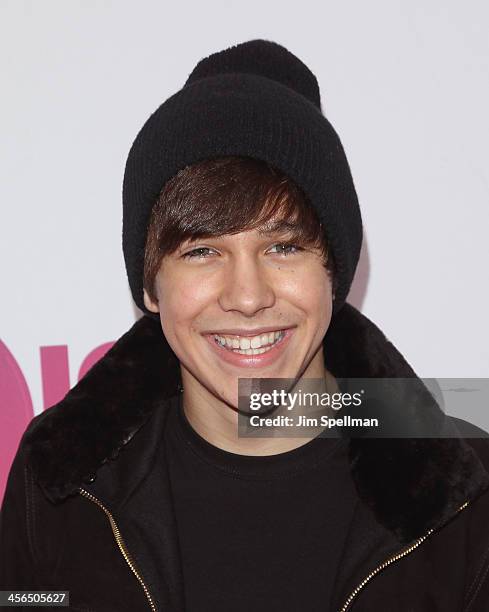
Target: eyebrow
[[275, 227], [270, 228]]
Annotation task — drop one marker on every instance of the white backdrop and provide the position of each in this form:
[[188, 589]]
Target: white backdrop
[[404, 83]]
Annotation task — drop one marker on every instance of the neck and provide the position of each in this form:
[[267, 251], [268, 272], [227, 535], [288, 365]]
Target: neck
[[217, 422]]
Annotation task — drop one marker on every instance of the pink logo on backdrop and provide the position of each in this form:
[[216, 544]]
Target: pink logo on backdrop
[[17, 409]]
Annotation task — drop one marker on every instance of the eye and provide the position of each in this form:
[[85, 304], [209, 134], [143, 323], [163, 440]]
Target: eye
[[286, 245], [194, 253]]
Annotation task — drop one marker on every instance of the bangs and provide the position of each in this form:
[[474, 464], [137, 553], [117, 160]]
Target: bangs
[[228, 195]]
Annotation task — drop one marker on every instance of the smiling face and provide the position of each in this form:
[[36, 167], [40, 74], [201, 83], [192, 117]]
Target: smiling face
[[238, 266], [221, 298]]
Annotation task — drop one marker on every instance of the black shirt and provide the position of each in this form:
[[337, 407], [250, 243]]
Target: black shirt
[[258, 532]]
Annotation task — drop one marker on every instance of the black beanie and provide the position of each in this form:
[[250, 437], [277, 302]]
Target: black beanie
[[254, 99]]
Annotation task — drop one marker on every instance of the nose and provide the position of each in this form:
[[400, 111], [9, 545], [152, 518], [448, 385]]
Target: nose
[[247, 288]]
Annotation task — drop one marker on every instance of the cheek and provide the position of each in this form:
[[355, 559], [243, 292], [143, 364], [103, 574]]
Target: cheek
[[182, 299], [310, 289]]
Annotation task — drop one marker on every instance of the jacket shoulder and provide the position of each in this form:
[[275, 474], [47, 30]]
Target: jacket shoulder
[[476, 437]]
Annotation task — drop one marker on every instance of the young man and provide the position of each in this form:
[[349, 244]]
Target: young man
[[241, 235]]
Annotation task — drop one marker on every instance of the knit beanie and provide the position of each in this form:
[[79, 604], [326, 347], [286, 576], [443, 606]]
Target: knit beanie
[[254, 99]]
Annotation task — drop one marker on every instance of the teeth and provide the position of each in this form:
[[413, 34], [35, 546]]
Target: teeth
[[244, 343], [250, 346]]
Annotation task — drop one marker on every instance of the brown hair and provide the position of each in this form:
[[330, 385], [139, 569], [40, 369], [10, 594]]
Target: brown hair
[[228, 195]]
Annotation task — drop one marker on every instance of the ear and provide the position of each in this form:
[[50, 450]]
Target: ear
[[149, 303]]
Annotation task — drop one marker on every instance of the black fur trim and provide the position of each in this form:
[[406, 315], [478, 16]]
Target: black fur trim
[[411, 485]]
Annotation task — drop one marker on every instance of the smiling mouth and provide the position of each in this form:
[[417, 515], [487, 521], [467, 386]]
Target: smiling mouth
[[255, 345]]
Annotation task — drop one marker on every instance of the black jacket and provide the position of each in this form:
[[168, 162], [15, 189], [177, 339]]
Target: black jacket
[[73, 516]]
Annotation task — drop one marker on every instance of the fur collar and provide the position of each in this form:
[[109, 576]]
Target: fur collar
[[411, 485]]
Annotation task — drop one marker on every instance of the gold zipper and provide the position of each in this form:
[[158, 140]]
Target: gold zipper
[[344, 608], [122, 546], [383, 565]]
